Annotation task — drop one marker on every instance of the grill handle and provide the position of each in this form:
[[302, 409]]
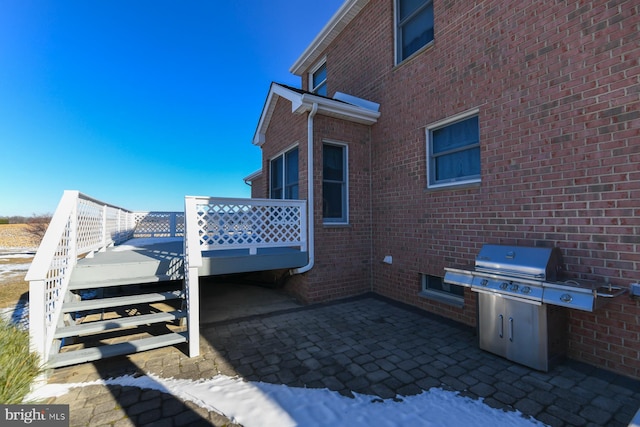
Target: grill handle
[[511, 329], [501, 324], [508, 272]]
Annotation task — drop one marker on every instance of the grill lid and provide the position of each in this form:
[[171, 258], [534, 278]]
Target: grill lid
[[542, 264]]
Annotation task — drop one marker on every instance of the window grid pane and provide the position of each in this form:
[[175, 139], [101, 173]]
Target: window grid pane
[[454, 152], [291, 174], [415, 26], [334, 186], [276, 178], [319, 81], [284, 176]]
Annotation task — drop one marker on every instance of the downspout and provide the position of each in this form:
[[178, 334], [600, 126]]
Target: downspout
[[310, 224]]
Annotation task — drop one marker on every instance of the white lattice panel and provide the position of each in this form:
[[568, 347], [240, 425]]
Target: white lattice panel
[[57, 276], [89, 226], [247, 223], [159, 224], [119, 225]]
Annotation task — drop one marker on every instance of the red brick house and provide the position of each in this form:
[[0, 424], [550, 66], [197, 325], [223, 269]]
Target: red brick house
[[437, 126]]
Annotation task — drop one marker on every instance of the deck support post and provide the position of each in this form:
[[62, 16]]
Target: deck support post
[[37, 321], [193, 311]]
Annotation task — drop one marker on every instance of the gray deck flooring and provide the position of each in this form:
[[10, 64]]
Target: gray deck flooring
[[161, 259]]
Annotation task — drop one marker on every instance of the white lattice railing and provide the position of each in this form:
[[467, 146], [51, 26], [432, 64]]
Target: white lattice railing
[[225, 223], [159, 224], [80, 225]]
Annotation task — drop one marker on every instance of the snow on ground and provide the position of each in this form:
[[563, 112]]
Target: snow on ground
[[262, 404], [18, 315], [7, 269], [9, 272], [8, 258]]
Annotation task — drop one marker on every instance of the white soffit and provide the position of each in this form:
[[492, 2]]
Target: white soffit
[[337, 23]]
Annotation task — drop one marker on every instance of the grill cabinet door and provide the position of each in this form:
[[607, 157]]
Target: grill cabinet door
[[525, 334], [513, 329], [491, 316]]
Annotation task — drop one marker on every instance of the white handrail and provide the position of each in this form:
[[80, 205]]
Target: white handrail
[[80, 225]]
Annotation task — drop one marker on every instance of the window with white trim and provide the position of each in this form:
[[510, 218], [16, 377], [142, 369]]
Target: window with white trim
[[334, 183], [284, 176], [414, 26], [453, 147], [318, 80]]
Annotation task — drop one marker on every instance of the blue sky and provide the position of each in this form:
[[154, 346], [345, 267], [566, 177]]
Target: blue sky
[[140, 102]]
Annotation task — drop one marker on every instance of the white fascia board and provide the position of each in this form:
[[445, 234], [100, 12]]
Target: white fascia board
[[253, 176], [338, 109], [301, 103], [337, 23], [275, 92]]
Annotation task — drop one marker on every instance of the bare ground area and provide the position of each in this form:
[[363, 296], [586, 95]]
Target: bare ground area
[[16, 253], [17, 236]]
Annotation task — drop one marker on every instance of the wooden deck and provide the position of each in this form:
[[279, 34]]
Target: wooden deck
[[150, 260]]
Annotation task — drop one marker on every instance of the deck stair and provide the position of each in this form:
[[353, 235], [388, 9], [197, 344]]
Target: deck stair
[[116, 306], [108, 281]]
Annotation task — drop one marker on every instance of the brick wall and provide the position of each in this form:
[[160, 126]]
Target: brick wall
[[258, 187], [343, 253], [557, 85]]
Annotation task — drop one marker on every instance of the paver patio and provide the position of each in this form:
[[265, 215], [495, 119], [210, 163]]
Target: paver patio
[[366, 345]]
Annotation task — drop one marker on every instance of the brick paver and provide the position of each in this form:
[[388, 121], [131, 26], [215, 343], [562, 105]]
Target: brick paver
[[365, 345]]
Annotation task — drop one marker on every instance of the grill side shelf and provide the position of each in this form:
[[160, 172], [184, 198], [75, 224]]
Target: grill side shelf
[[457, 276]]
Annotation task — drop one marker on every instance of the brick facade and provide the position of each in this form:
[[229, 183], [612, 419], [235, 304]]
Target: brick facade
[[342, 253], [557, 86]]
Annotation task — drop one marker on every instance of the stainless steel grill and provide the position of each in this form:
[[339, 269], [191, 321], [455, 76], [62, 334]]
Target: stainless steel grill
[[520, 298], [532, 274]]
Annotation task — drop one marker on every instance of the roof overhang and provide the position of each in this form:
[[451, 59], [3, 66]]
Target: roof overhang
[[347, 107], [251, 177], [337, 23]]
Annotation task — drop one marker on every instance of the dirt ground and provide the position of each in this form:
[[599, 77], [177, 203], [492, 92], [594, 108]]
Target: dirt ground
[[14, 238], [17, 236]]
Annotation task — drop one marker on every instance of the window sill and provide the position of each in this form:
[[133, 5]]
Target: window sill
[[415, 55], [451, 300], [463, 185], [336, 224]]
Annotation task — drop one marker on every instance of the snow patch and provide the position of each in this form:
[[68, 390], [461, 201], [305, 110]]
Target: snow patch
[[259, 404]]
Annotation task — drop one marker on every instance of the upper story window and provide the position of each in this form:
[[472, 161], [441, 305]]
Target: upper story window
[[318, 80], [334, 183], [414, 19], [284, 176], [454, 151]]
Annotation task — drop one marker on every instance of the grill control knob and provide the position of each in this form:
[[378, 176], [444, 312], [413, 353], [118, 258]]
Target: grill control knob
[[484, 282], [504, 285], [526, 290], [566, 298], [513, 288]]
